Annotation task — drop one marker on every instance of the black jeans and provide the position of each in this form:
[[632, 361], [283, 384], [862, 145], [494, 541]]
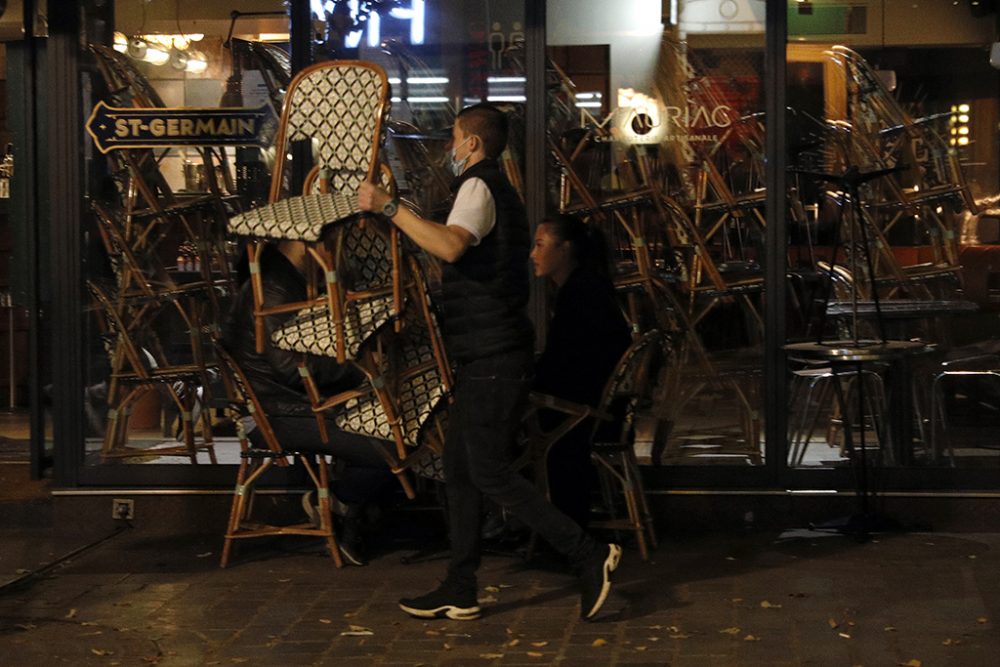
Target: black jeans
[[366, 472], [490, 397]]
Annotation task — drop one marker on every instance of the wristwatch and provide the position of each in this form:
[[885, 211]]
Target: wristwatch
[[390, 207]]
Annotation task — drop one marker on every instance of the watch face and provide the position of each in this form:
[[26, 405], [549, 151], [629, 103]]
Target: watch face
[[390, 208]]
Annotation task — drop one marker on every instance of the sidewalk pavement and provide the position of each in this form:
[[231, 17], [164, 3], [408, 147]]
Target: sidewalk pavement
[[135, 597]]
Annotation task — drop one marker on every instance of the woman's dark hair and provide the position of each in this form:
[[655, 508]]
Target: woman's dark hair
[[586, 241]]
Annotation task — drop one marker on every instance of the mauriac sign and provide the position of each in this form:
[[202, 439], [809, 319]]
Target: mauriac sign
[[120, 128]]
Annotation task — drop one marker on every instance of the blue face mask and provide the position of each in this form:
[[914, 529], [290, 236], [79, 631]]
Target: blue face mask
[[457, 166]]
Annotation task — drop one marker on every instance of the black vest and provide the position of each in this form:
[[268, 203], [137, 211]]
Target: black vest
[[485, 293]]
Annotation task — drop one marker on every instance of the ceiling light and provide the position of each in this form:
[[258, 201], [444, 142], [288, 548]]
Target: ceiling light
[[156, 55], [196, 63], [178, 59], [136, 47]]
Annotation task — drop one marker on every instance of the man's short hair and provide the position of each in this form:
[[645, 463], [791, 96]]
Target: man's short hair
[[489, 124]]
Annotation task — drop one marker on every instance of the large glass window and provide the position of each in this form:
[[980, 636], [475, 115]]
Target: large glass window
[[891, 227], [161, 265], [656, 138]]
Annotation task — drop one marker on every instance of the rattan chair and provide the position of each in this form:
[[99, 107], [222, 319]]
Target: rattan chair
[[340, 107], [242, 406], [629, 390]]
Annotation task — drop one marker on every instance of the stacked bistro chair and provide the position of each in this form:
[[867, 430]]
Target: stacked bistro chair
[[243, 406], [372, 308], [145, 300], [139, 363], [340, 107], [631, 389], [408, 383]]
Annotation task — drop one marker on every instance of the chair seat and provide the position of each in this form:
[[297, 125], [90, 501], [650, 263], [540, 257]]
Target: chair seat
[[312, 331], [416, 399], [180, 373], [300, 218]]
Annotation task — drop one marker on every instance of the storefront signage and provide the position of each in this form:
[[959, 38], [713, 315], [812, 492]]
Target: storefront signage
[[118, 128]]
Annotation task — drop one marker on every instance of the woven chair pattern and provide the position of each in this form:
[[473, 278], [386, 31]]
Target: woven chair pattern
[[338, 108], [302, 217], [311, 331], [369, 262]]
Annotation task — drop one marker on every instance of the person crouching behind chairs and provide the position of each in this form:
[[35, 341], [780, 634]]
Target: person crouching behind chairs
[[274, 376], [586, 337], [484, 245]]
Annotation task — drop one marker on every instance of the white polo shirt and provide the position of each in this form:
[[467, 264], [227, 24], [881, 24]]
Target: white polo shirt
[[474, 209]]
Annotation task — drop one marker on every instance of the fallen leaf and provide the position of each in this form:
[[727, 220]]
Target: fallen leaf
[[357, 631], [283, 581], [446, 646], [730, 558], [432, 633], [539, 644], [951, 642], [101, 651], [71, 614], [731, 631], [458, 634], [599, 642], [982, 619], [973, 557], [640, 648], [488, 598], [679, 635], [833, 623], [736, 600], [751, 638], [844, 635], [535, 654], [769, 605], [205, 555], [492, 589], [325, 620], [88, 623], [491, 656], [673, 628], [912, 663], [889, 628], [512, 643], [21, 570]]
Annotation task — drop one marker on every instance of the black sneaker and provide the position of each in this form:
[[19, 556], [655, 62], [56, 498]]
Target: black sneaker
[[448, 601], [595, 579]]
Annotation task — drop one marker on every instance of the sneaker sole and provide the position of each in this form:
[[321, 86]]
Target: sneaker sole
[[610, 565], [448, 610]]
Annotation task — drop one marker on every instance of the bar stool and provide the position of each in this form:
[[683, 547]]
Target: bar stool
[[982, 366], [815, 385]]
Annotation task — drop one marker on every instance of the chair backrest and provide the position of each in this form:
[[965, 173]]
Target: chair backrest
[[633, 381], [340, 106]]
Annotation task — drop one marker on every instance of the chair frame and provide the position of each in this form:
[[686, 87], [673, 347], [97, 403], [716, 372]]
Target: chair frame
[[254, 462]]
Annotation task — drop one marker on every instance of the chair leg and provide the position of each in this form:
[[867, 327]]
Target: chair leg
[[643, 503], [325, 511], [236, 512]]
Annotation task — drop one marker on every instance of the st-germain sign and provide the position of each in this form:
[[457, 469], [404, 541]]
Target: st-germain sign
[[114, 128]]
